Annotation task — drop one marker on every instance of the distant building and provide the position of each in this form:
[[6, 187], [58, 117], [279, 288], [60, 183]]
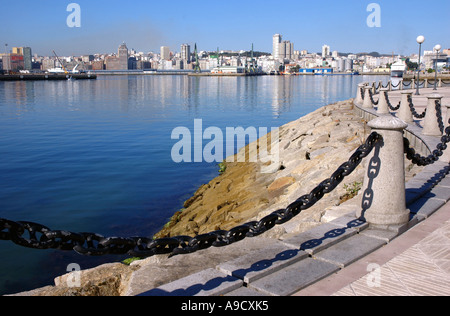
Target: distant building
[[276, 46], [27, 58], [12, 62], [186, 53], [286, 50], [165, 53], [119, 62], [123, 56], [325, 51]]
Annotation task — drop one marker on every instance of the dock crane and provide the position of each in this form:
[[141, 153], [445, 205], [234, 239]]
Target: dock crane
[[65, 70]]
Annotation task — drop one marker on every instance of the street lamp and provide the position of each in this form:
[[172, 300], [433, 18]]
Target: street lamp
[[420, 40], [4, 59], [437, 48]]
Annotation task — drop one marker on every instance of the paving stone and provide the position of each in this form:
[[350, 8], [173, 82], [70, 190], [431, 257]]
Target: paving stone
[[439, 192], [385, 235], [258, 264], [245, 292], [350, 250], [425, 207], [294, 277], [320, 237], [210, 282], [351, 223]]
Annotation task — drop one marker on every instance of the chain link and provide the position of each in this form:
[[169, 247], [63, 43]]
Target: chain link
[[371, 98], [389, 103], [36, 236], [433, 157], [413, 110]]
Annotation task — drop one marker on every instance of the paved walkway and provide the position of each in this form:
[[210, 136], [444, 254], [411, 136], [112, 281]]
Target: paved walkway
[[415, 264]]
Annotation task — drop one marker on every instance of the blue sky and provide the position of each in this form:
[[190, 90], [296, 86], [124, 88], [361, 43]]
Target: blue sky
[[147, 25]]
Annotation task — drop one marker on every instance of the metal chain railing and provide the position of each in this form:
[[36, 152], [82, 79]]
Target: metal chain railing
[[413, 110], [406, 84], [371, 98], [91, 244], [389, 103], [433, 157], [440, 120]]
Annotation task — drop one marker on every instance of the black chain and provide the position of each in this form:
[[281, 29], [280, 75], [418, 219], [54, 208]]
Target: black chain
[[389, 103], [90, 244], [406, 84], [395, 86], [440, 120], [413, 110], [371, 98], [433, 157]]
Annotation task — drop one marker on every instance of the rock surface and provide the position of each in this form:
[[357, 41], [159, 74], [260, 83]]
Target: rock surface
[[311, 149]]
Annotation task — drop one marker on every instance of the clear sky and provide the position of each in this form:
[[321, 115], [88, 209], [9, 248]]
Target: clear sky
[[229, 25]]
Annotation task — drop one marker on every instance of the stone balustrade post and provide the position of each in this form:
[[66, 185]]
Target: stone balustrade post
[[389, 85], [384, 198], [383, 107], [367, 102], [425, 85], [440, 83], [430, 123], [359, 99], [404, 113], [413, 84]]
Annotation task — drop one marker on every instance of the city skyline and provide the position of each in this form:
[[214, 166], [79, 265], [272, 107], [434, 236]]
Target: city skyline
[[146, 26]]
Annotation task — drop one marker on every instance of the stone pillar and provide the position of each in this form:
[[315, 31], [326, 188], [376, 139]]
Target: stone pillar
[[359, 99], [404, 113], [383, 107], [367, 102], [440, 82], [383, 200], [425, 85], [430, 123]]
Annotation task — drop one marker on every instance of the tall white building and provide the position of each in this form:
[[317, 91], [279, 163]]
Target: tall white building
[[186, 52], [165, 53], [325, 51], [276, 46]]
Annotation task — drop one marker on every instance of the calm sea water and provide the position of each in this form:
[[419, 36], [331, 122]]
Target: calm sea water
[[96, 155]]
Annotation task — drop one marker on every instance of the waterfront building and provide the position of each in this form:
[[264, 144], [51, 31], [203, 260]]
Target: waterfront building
[[186, 53], [276, 46], [12, 62], [119, 62], [325, 51], [286, 50], [165, 53], [123, 56]]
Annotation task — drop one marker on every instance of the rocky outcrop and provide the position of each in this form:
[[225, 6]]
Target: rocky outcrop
[[311, 149]]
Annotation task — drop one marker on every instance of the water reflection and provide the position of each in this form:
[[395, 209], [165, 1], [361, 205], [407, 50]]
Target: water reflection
[[95, 155]]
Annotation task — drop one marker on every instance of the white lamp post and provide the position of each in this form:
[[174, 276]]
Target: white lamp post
[[437, 49], [420, 40]]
